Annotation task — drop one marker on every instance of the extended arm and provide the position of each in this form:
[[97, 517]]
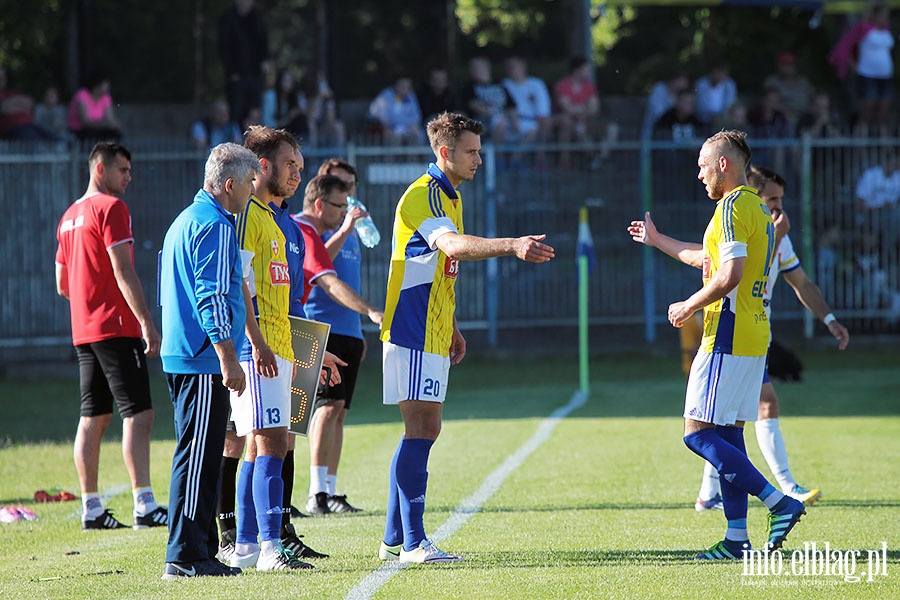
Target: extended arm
[[723, 281], [808, 293], [645, 232], [344, 295], [130, 286], [469, 247]]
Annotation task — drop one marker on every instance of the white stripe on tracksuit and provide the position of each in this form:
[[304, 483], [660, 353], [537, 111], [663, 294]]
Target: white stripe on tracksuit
[[198, 445]]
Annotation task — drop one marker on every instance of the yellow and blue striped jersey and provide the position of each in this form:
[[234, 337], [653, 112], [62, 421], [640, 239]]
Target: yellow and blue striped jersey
[[421, 298], [741, 226], [258, 233]]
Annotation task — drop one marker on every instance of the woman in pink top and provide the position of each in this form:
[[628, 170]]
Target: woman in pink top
[[91, 112]]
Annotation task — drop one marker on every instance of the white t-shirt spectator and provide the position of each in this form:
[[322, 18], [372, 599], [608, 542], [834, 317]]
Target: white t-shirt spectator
[[875, 55], [877, 190]]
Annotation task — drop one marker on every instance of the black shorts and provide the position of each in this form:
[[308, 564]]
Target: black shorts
[[114, 369], [349, 349]]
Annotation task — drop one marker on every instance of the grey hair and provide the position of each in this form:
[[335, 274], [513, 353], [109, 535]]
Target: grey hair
[[228, 161]]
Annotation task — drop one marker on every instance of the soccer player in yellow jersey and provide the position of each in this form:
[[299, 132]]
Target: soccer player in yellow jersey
[[726, 375], [263, 415], [419, 331]]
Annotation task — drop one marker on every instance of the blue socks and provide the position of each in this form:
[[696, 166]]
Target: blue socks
[[734, 499], [247, 530], [393, 527], [268, 495], [411, 471], [733, 465]]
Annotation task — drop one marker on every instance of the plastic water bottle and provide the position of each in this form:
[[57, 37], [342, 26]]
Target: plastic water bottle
[[365, 227]]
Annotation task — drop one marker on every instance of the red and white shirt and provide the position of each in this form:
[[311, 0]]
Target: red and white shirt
[[86, 232], [316, 262]]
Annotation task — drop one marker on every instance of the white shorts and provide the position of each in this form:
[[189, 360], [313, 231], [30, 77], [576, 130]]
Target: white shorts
[[266, 403], [723, 388], [413, 374]]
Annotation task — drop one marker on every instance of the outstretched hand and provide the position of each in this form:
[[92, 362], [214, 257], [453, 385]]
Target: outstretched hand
[[643, 232], [530, 249]]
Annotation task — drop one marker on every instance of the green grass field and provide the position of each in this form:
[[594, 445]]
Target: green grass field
[[603, 509]]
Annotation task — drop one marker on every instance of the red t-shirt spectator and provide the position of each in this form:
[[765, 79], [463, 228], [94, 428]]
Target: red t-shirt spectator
[[578, 94], [87, 230], [317, 262]]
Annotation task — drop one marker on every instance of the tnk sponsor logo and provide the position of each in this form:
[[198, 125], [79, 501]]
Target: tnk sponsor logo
[[279, 273], [817, 561]]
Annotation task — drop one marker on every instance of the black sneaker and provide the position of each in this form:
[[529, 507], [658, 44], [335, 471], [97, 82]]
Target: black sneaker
[[203, 568], [158, 517], [296, 514], [104, 521], [291, 541], [318, 504], [339, 504]]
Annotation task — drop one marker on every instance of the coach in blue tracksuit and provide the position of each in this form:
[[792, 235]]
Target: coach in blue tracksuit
[[203, 316]]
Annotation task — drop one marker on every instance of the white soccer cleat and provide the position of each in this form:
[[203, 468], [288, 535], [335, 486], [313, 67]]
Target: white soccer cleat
[[389, 553], [239, 560], [807, 497], [427, 552]]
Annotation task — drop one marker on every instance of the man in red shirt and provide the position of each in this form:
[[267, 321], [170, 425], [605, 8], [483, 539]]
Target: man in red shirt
[[112, 332]]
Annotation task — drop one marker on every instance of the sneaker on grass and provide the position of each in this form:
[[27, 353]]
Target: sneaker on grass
[[105, 521], [427, 552], [291, 540], [782, 519], [389, 553], [317, 504], [280, 559], [158, 517], [339, 504], [724, 550], [714, 503], [203, 568]]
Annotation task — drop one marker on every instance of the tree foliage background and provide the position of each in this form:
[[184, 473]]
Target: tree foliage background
[[165, 51]]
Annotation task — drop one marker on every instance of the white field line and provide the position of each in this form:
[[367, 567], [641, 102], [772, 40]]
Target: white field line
[[374, 581]]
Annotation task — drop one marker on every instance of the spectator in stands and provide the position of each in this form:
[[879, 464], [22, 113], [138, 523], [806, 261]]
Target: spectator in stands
[[436, 96], [268, 101], [737, 118], [50, 115], [534, 117], [878, 201], [795, 90], [396, 111], [716, 92], [867, 48], [325, 128], [488, 102], [662, 97], [16, 118], [680, 123], [577, 101], [819, 120], [767, 117], [291, 106], [244, 49], [91, 114], [217, 128], [253, 116]]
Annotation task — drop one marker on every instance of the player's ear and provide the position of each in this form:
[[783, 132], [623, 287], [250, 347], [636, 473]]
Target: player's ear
[[444, 152]]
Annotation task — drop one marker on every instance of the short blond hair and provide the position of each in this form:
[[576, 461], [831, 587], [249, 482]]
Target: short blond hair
[[732, 143]]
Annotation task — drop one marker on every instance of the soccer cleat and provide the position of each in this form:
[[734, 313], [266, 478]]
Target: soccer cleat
[[427, 552], [782, 518], [104, 521], [203, 568], [158, 517], [281, 559], [291, 541], [244, 561], [807, 497], [389, 553], [296, 514], [317, 504], [724, 550], [226, 546], [339, 504], [714, 503]]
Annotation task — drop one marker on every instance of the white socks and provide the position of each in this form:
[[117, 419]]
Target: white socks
[[92, 505], [709, 485], [144, 501], [771, 443], [331, 484], [317, 479]]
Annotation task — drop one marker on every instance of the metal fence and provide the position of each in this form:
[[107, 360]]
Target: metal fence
[[520, 189]]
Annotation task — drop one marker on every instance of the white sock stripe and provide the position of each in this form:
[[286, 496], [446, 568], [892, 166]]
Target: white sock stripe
[[374, 581]]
